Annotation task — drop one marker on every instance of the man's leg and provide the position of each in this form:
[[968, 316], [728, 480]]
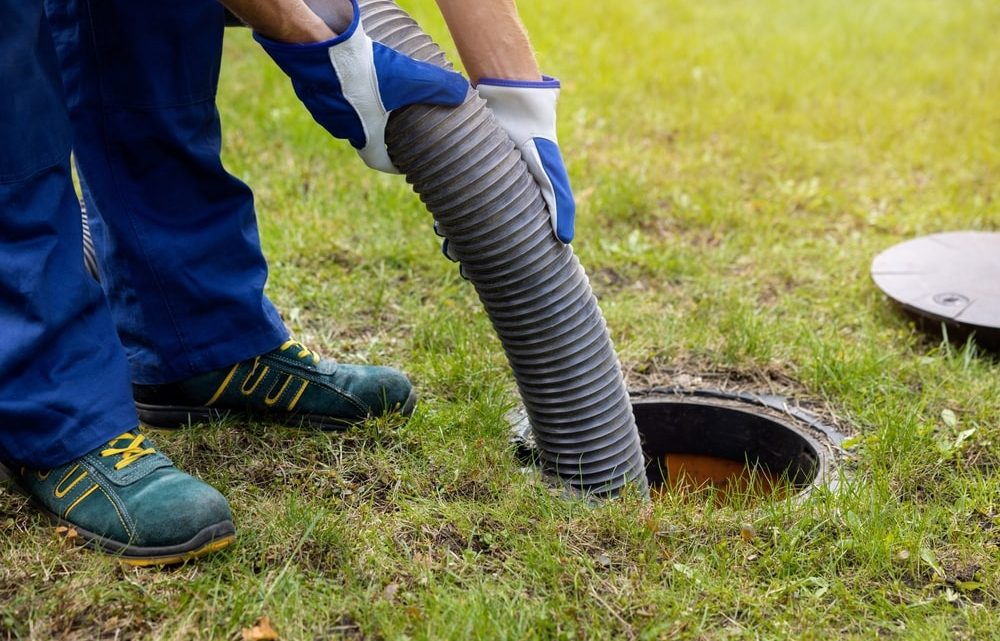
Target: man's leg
[[65, 383], [67, 421], [176, 234]]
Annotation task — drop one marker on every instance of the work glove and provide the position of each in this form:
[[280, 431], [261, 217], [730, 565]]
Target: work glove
[[527, 111], [350, 84]]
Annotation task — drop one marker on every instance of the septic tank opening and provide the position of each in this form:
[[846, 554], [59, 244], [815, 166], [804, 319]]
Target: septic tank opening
[[763, 446], [693, 444]]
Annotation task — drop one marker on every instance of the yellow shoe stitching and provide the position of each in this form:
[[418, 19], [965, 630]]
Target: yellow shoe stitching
[[298, 395], [225, 384], [59, 492], [247, 391], [65, 476], [121, 519], [80, 500], [271, 400]]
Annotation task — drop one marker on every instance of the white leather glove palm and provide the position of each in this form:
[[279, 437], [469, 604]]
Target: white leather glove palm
[[527, 111]]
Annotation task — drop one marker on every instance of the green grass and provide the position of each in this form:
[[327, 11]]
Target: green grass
[[737, 164]]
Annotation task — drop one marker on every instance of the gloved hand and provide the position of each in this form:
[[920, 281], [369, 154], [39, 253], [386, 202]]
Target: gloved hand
[[350, 85], [527, 111]]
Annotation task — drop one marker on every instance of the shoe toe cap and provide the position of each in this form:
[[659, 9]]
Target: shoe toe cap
[[379, 389], [176, 508]]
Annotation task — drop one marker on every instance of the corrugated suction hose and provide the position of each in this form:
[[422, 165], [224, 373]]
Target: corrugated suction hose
[[468, 173]]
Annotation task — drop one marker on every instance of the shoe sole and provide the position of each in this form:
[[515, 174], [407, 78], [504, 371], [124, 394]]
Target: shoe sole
[[211, 539], [172, 417]]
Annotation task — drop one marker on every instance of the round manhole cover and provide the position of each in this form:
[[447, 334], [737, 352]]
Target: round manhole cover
[[950, 279]]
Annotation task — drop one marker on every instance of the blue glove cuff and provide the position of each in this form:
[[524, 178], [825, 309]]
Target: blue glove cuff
[[547, 82]]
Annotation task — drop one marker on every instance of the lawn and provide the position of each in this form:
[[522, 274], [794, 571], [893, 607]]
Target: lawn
[[737, 165]]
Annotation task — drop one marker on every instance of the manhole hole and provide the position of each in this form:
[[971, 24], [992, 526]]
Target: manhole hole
[[732, 443]]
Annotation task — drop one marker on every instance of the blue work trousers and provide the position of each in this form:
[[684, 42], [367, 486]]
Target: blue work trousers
[[64, 383], [175, 233], [179, 254]]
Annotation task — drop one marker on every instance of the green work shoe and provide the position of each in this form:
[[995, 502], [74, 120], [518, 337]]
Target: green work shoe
[[289, 385], [129, 500]]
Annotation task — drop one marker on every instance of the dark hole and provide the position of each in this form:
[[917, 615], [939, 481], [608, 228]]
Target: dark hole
[[718, 444]]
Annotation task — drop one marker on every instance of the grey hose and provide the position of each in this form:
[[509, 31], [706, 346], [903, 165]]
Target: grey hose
[[467, 172]]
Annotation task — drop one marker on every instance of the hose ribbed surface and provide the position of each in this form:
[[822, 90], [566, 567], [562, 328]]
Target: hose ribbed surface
[[473, 181]]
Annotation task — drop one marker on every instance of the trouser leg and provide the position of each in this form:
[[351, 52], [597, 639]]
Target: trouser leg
[[64, 386], [176, 234]]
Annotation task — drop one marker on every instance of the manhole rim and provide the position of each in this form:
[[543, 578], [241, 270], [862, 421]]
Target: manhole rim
[[826, 440]]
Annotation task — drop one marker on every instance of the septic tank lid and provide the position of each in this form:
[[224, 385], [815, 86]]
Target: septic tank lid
[[951, 278]]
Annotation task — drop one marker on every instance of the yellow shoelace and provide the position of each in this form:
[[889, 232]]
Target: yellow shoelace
[[131, 452], [303, 352]]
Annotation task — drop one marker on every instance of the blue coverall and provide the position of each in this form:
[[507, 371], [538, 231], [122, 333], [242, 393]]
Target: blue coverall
[[130, 85]]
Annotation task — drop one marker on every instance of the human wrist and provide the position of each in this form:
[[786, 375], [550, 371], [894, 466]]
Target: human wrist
[[315, 31], [297, 25], [300, 32]]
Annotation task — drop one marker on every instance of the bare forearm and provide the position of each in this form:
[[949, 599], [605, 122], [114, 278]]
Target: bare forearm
[[297, 21], [488, 33], [491, 39]]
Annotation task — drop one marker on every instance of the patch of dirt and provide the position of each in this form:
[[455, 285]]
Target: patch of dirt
[[606, 281], [661, 371], [983, 454], [472, 485], [689, 375], [314, 263], [79, 621], [439, 545], [346, 628]]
